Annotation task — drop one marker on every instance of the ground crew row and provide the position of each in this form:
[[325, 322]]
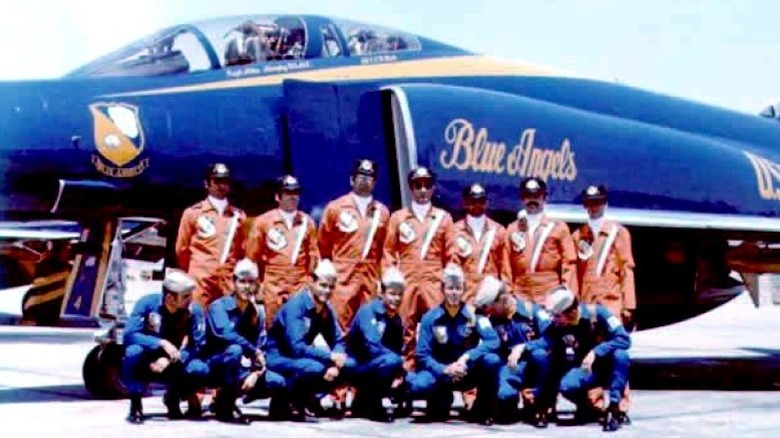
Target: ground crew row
[[501, 345]]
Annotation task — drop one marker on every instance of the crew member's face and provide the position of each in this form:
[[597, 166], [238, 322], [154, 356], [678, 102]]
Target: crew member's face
[[288, 201], [218, 187], [534, 203], [422, 190], [568, 318], [180, 301], [501, 307], [453, 292], [362, 185], [595, 209], [245, 287], [475, 207], [323, 289], [392, 298]]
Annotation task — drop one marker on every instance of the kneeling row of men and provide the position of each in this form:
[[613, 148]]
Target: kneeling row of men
[[501, 346]]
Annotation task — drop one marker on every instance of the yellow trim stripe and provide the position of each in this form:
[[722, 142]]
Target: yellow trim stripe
[[469, 65]]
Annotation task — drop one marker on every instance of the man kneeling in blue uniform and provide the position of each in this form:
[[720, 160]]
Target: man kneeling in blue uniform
[[311, 371], [236, 337], [519, 325], [590, 348], [164, 337], [456, 351], [375, 341]]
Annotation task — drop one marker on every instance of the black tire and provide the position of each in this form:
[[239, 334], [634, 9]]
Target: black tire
[[102, 372]]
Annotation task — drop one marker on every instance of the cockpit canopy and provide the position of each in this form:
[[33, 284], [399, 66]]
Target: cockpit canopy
[[243, 40]]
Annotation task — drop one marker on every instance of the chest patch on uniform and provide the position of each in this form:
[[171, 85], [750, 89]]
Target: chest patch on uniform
[[347, 222], [406, 233], [440, 333], [518, 241], [380, 326], [466, 330], [154, 322], [463, 245], [206, 227], [584, 250], [484, 323], [275, 239]]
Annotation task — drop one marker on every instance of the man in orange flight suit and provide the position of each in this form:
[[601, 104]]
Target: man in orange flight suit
[[210, 238], [479, 241], [419, 242], [605, 267], [352, 234], [538, 251], [283, 243]]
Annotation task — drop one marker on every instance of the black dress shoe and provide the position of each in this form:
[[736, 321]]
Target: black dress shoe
[[194, 409], [136, 415], [336, 412], [623, 419], [611, 422], [233, 416], [382, 415], [540, 419], [174, 410]]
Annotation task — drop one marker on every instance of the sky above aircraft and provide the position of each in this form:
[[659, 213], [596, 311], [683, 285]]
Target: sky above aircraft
[[721, 53]]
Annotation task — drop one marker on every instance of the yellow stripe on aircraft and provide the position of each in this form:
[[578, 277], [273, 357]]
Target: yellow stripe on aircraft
[[470, 65]]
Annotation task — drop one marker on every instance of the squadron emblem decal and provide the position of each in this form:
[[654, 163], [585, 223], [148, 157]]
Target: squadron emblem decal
[[119, 140]]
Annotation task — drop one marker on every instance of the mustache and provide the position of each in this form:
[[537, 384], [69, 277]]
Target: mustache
[[533, 204]]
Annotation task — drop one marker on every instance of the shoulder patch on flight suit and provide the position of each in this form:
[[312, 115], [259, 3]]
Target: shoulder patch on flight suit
[[154, 322], [484, 322], [518, 241], [275, 239], [613, 322], [406, 232], [463, 245], [347, 222], [543, 315], [380, 326], [306, 323], [206, 227], [440, 333]]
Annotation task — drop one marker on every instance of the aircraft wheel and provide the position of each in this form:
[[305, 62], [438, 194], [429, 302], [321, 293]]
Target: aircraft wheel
[[102, 372]]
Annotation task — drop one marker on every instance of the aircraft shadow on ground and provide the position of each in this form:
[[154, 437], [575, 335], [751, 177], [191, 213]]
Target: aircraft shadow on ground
[[696, 373], [42, 394]]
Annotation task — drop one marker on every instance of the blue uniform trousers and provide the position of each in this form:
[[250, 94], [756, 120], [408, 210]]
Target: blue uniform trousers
[[183, 376], [531, 372], [609, 371], [227, 372]]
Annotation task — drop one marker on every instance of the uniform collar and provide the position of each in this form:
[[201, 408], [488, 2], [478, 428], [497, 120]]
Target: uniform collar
[[205, 205], [521, 309]]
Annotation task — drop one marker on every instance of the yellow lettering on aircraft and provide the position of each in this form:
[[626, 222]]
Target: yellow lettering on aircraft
[[471, 149], [767, 176]]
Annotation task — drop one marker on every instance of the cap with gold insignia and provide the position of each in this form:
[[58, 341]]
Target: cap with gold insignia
[[594, 193], [559, 300], [288, 183], [488, 291], [475, 191], [365, 167], [533, 186], [217, 170], [246, 268], [420, 173], [178, 282], [452, 272]]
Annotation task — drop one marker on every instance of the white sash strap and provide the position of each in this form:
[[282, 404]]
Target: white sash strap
[[483, 256], [613, 231], [430, 232], [371, 233], [229, 239], [299, 240], [539, 243]]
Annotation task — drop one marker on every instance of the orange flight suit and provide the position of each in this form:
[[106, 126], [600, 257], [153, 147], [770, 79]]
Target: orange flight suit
[[468, 252], [555, 265], [403, 249], [613, 287], [343, 238], [271, 246], [202, 237]]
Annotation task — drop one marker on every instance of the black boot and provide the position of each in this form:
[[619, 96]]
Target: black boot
[[136, 415], [623, 419], [194, 409], [539, 420], [171, 401], [611, 422], [225, 409]]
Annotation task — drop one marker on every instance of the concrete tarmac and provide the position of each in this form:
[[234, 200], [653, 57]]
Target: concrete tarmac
[[42, 394]]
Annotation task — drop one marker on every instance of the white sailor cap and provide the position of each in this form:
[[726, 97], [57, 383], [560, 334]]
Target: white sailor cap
[[178, 282], [246, 268], [325, 269], [392, 276], [452, 272], [488, 291], [559, 300]]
